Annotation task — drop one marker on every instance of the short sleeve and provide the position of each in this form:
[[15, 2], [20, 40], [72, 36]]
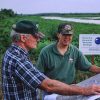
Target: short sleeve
[[82, 62], [30, 75]]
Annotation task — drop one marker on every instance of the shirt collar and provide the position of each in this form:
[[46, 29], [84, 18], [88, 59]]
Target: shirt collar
[[57, 52], [19, 49]]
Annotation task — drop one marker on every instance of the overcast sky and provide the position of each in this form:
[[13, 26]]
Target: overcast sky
[[49, 6]]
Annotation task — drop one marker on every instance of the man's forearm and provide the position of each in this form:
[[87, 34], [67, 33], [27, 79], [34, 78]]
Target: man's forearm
[[55, 86], [65, 89]]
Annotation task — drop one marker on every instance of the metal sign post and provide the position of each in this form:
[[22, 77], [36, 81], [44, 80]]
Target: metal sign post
[[92, 59]]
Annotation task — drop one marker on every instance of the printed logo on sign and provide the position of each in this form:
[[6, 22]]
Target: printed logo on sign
[[97, 40]]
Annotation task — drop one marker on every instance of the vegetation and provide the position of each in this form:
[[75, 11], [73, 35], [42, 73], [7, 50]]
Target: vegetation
[[4, 13], [70, 14], [49, 28]]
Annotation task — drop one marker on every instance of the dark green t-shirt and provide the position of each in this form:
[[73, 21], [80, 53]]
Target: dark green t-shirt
[[59, 67]]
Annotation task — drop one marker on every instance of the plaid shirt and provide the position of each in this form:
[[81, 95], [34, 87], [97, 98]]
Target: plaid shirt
[[19, 76]]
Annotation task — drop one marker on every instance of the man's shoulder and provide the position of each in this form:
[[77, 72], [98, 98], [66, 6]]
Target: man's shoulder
[[73, 47], [14, 53], [48, 47]]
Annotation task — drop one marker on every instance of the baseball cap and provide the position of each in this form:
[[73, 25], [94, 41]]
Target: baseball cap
[[65, 28], [27, 27]]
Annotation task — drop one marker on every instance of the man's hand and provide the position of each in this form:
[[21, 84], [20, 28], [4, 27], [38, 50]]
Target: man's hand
[[91, 90], [94, 69]]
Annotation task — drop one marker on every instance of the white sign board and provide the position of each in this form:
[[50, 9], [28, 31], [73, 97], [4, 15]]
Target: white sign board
[[89, 44]]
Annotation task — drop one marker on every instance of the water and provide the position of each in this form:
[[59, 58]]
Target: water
[[88, 20]]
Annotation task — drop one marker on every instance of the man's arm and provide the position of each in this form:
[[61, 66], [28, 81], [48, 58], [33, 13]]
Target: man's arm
[[55, 86], [94, 69]]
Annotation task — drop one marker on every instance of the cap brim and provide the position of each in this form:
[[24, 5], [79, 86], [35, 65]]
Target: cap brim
[[40, 35], [70, 32]]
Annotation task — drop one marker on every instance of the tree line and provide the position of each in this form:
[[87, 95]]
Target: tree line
[[4, 13]]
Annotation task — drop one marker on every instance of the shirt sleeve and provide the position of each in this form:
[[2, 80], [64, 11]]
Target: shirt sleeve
[[82, 62], [27, 72]]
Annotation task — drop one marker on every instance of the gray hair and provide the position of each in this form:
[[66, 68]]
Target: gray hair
[[15, 35]]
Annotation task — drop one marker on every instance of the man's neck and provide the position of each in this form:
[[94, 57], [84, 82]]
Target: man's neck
[[62, 48], [21, 45]]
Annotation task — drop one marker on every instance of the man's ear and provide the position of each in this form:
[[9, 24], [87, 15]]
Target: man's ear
[[23, 37], [58, 35]]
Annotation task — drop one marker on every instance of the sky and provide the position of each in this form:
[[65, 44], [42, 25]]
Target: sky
[[51, 6]]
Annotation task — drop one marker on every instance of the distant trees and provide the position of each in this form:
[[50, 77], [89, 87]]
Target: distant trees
[[4, 13]]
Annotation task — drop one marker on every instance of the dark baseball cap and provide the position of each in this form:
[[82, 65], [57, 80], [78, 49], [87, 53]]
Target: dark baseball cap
[[27, 27], [65, 28]]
